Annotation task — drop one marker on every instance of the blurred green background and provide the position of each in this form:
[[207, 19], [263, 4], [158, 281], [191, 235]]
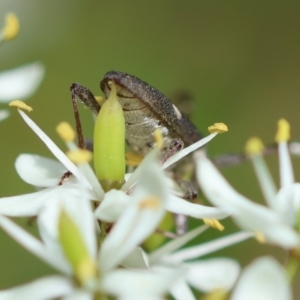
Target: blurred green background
[[239, 59]]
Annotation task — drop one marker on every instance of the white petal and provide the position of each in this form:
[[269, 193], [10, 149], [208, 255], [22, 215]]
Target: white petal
[[265, 180], [138, 221], [112, 206], [181, 291], [28, 204], [184, 152], [248, 215], [3, 114], [140, 284], [74, 200], [88, 172], [21, 82], [134, 177], [55, 150], [40, 289], [214, 185], [288, 202], [79, 295], [274, 230], [212, 274], [137, 259], [264, 279], [179, 206], [33, 245], [90, 175], [39, 171], [175, 244], [207, 248], [285, 165]]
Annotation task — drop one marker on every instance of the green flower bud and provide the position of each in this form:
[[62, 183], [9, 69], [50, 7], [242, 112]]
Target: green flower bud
[[75, 250], [109, 143]]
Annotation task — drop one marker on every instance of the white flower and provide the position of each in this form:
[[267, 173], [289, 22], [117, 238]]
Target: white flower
[[137, 222], [46, 173], [275, 224], [206, 275], [263, 279], [21, 82]]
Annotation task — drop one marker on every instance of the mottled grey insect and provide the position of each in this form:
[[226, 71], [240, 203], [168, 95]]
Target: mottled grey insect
[[145, 109]]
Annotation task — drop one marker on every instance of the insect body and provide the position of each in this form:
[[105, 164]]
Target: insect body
[[145, 109]]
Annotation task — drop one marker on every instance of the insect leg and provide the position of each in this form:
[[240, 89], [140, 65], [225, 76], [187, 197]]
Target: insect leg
[[82, 94], [175, 146], [190, 192]]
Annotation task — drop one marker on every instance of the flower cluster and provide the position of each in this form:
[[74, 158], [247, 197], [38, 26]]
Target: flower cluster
[[79, 214], [93, 225]]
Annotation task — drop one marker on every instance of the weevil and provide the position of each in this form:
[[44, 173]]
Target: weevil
[[145, 109]]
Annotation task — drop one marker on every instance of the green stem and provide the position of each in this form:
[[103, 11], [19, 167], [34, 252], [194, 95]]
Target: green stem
[[292, 267]]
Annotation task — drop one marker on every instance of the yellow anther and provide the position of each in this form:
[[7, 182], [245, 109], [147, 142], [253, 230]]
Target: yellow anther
[[214, 224], [254, 146], [11, 27], [65, 131], [133, 159], [260, 237], [100, 100], [151, 202], [80, 156], [218, 127], [283, 131], [158, 138], [21, 105]]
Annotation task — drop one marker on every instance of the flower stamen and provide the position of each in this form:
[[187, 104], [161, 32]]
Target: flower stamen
[[11, 28], [65, 131], [260, 237], [80, 156], [254, 146], [283, 131], [218, 127], [20, 105], [214, 224]]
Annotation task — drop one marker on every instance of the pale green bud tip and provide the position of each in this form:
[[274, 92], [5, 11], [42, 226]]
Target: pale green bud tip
[[254, 146], [11, 28], [74, 249], [109, 142], [218, 127], [216, 294], [65, 131], [20, 105], [283, 131]]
